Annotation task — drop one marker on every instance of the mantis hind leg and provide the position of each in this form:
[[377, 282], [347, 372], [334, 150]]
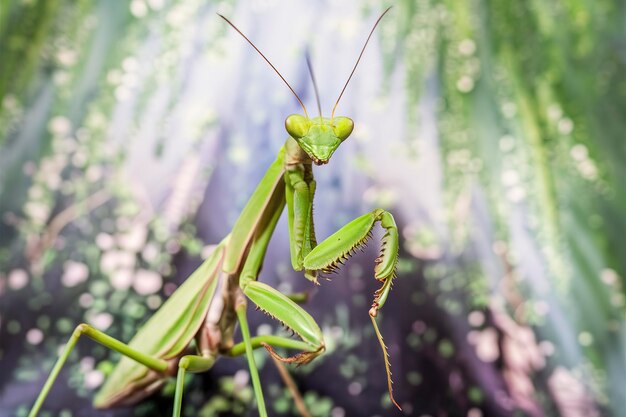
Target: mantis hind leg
[[189, 363], [156, 364], [335, 249], [254, 372]]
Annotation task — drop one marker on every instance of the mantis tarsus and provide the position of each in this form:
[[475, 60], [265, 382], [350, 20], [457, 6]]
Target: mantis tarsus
[[161, 348]]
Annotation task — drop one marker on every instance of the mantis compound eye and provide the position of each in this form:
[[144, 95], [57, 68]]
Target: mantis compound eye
[[297, 125], [342, 126]]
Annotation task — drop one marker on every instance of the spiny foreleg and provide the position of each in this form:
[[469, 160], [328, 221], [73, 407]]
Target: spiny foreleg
[[337, 248]]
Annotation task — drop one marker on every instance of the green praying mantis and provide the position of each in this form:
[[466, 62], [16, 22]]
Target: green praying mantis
[[195, 326]]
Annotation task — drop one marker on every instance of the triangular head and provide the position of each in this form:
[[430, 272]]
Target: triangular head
[[319, 137]]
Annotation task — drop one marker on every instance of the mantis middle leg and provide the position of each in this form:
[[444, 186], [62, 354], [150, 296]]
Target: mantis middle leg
[[189, 363]]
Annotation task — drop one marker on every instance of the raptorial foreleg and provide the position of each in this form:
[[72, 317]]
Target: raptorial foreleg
[[338, 247]]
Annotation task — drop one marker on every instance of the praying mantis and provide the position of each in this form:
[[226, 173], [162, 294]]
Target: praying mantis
[[196, 316]]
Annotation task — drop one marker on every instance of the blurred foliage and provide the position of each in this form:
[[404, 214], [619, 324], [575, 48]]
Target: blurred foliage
[[530, 104], [511, 298]]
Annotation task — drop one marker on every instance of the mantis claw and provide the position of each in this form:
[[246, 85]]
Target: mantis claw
[[301, 358], [312, 276]]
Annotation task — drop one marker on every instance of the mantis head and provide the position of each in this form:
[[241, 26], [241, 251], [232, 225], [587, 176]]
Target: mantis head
[[319, 137]]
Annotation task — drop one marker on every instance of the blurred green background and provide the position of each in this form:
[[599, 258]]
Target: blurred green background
[[133, 132]]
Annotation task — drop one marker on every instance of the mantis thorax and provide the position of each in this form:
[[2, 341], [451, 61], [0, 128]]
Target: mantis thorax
[[319, 137]]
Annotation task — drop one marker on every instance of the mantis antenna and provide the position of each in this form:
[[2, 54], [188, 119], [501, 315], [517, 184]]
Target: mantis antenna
[[317, 93], [268, 61], [358, 60]]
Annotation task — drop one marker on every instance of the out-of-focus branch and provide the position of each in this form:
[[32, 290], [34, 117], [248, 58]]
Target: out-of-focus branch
[[292, 387], [37, 245]]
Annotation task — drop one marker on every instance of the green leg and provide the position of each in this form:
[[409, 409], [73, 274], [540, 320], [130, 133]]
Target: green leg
[[254, 372], [105, 340], [328, 255], [299, 193], [260, 341], [276, 341], [282, 308], [188, 363], [277, 304], [340, 245]]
